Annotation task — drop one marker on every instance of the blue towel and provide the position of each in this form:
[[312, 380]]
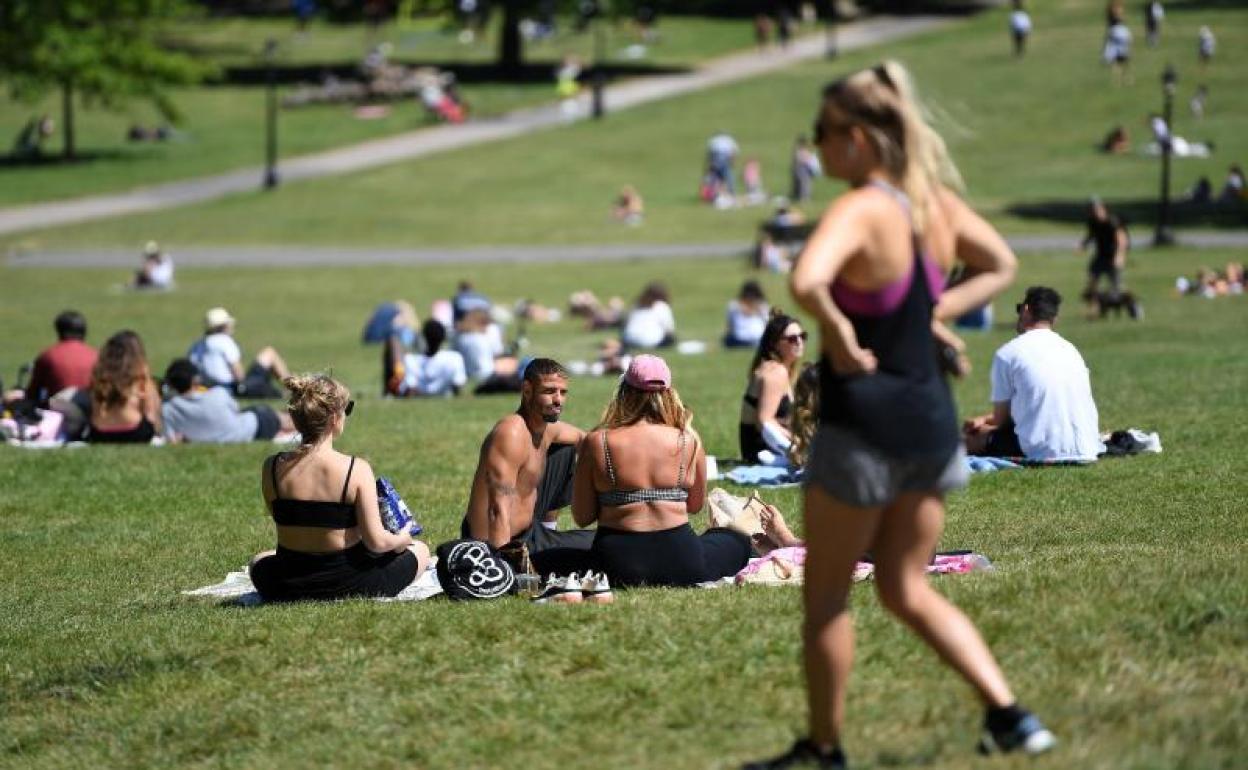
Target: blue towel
[[764, 475], [989, 464]]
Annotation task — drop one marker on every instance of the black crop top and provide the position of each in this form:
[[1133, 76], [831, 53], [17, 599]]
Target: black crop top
[[313, 513], [783, 409]]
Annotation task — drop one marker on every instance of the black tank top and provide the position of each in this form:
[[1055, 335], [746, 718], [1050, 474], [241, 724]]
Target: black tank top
[[313, 513], [905, 407]]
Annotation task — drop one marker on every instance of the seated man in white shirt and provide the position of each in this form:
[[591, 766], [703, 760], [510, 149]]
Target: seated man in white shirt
[[219, 360], [1042, 407], [211, 415], [435, 372]]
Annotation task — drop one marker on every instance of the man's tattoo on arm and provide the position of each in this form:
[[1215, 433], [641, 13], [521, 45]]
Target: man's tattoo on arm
[[502, 488]]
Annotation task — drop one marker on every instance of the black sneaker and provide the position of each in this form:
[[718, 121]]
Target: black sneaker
[[1027, 735], [803, 754]]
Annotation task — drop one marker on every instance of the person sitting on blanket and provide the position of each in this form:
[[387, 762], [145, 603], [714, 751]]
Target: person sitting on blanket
[[211, 415], [640, 474], [125, 402], [768, 402], [524, 476], [1042, 406], [331, 543]]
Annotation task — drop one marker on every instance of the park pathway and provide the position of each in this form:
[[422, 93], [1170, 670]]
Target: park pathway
[[305, 256], [429, 141]]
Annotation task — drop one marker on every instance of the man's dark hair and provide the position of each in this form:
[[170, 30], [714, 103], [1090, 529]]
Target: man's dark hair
[[435, 334], [1043, 303], [543, 367], [71, 325], [181, 375]]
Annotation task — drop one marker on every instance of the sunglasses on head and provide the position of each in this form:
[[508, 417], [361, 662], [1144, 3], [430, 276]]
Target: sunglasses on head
[[350, 408], [796, 338]]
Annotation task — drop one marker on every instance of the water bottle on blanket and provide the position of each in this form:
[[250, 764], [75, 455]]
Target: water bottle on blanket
[[395, 515]]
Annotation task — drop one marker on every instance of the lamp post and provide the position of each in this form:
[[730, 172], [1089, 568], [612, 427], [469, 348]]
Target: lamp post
[[1163, 236], [270, 145], [829, 31], [598, 81]]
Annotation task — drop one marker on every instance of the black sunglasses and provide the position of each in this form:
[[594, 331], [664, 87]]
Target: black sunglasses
[[350, 408], [795, 338]]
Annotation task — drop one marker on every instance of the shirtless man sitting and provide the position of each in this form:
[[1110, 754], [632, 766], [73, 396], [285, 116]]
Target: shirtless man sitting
[[524, 476]]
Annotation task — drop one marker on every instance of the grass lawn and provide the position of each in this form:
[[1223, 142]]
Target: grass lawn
[[223, 126], [1023, 133], [1118, 606]]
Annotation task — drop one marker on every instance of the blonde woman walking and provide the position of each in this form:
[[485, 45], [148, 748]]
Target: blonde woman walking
[[887, 448]]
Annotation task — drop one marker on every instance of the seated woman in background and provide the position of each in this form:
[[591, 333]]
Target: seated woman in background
[[768, 402], [480, 341], [640, 474], [331, 542], [650, 324], [125, 403], [747, 317]]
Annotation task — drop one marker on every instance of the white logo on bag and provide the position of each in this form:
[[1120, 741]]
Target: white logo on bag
[[488, 577]]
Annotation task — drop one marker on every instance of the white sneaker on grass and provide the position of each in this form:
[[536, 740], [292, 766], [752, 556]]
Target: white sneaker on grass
[[560, 590], [596, 589]]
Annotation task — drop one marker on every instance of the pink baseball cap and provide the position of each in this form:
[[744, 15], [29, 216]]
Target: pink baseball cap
[[648, 372]]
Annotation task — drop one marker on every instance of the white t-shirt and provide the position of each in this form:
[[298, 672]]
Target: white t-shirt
[[161, 273], [747, 327], [1049, 390], [435, 375], [479, 350], [647, 327], [1020, 22], [213, 355]]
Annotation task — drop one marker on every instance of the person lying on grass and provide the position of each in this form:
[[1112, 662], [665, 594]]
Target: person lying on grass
[[331, 543], [211, 415], [524, 476]]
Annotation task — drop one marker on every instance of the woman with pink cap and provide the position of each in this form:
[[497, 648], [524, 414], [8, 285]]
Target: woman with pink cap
[[639, 475]]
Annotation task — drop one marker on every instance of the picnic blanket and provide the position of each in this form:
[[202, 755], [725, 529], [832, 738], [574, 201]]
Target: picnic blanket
[[786, 566], [237, 586], [778, 476]]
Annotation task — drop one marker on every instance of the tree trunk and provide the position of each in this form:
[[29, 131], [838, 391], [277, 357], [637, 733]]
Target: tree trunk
[[510, 44], [67, 119]]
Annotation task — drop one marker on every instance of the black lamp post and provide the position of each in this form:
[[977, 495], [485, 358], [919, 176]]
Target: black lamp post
[[270, 145], [598, 80], [829, 33], [1163, 235]]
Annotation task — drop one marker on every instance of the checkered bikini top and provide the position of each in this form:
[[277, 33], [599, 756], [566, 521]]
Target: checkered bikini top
[[615, 497]]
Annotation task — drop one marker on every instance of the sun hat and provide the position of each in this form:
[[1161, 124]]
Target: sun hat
[[151, 249], [647, 372], [217, 317]]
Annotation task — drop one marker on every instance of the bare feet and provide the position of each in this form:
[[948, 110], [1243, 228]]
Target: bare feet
[[776, 532]]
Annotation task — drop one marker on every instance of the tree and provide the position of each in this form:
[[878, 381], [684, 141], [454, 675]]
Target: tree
[[104, 51]]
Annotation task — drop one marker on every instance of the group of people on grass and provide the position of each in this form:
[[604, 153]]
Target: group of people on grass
[[885, 450]]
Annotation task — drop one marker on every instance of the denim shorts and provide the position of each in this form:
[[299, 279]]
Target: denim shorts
[[859, 474]]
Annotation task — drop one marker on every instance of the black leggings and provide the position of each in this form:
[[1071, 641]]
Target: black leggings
[[293, 575], [669, 557]]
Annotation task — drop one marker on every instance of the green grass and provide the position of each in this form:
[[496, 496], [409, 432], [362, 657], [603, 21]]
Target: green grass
[[1118, 607], [1023, 132], [223, 126]]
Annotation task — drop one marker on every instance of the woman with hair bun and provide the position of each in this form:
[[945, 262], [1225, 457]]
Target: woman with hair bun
[[767, 406], [331, 543], [887, 448], [640, 474]]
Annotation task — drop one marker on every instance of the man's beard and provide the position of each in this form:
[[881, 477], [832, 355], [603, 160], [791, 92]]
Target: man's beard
[[550, 419]]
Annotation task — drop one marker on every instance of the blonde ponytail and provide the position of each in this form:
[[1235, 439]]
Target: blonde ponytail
[[883, 101]]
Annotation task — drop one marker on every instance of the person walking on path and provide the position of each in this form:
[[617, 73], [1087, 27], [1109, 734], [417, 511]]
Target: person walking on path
[[887, 447]]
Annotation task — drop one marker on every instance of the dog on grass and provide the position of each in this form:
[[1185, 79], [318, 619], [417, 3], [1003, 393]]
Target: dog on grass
[[1102, 303]]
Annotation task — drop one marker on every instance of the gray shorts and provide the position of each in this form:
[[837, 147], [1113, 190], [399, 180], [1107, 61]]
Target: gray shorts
[[858, 474]]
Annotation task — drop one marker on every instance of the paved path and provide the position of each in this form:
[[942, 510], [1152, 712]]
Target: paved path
[[301, 256], [417, 144]]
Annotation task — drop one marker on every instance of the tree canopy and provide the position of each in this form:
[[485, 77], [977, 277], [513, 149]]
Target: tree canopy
[[104, 51]]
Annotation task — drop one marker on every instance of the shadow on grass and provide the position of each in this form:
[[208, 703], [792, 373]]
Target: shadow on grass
[[47, 160], [465, 72], [1182, 6], [1138, 212]]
